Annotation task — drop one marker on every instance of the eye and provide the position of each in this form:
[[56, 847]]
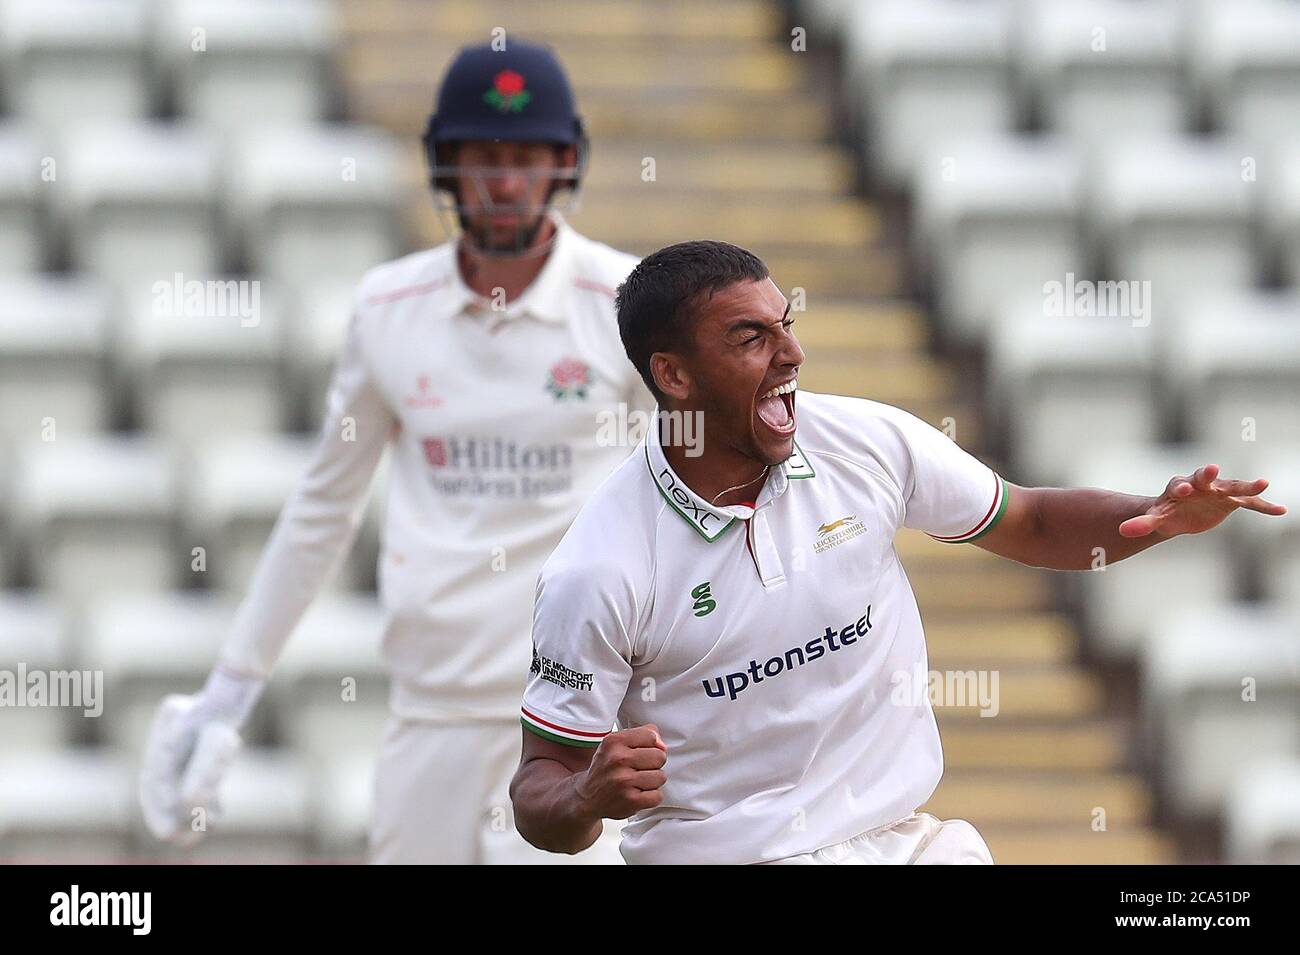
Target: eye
[[750, 341]]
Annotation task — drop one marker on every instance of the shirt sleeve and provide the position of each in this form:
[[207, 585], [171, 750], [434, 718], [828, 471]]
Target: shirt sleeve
[[320, 520], [948, 493], [583, 630]]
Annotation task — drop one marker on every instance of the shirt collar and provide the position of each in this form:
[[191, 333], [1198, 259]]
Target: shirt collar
[[712, 522], [545, 298]]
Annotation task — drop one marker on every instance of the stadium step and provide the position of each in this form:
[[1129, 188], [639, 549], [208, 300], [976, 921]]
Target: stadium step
[[860, 328], [624, 23], [1020, 694], [402, 106], [1042, 638], [684, 175], [725, 169], [1056, 845], [652, 220], [899, 382], [997, 589], [1011, 798], [1081, 747], [634, 73]]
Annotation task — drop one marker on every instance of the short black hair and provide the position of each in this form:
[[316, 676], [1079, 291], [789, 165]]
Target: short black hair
[[655, 301]]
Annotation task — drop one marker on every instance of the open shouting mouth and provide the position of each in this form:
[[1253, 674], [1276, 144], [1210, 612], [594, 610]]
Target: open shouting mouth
[[775, 408]]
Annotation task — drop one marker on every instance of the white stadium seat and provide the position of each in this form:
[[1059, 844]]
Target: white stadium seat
[[96, 515], [315, 202], [53, 367], [1198, 571], [66, 60], [8, 533], [241, 62], [1279, 207], [69, 806], [238, 486], [1262, 817], [1002, 220], [830, 16], [344, 797], [202, 355], [1103, 68], [924, 72], [23, 239], [1272, 543], [329, 691], [1245, 62], [1176, 213], [33, 634], [136, 201], [1222, 690], [149, 646], [314, 337], [1063, 386], [1233, 362], [265, 814]]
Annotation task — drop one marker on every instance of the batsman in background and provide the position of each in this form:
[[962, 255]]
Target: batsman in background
[[484, 363]]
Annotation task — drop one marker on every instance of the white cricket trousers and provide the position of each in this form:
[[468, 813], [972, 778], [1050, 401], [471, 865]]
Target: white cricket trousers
[[442, 795], [918, 839]]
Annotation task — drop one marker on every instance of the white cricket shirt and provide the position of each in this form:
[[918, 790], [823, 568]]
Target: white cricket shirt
[[494, 420], [763, 642]]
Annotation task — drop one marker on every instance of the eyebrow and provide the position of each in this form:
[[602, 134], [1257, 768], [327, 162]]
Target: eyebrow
[[752, 324]]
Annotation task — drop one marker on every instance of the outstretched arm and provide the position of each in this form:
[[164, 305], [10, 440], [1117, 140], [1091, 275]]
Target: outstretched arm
[[1060, 528]]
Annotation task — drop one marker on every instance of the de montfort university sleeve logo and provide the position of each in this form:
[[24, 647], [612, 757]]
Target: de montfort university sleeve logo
[[508, 94]]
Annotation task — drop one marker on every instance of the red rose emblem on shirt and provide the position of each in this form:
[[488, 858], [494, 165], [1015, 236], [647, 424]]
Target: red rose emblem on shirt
[[569, 377]]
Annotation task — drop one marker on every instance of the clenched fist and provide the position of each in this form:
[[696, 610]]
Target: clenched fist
[[626, 774]]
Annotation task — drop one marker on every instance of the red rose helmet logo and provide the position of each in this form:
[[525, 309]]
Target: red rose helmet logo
[[508, 94]]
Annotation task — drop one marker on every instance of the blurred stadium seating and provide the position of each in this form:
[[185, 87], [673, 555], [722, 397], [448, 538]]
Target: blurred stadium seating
[[1152, 144], [1003, 145]]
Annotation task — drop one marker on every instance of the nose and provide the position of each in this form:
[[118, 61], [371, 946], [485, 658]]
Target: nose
[[790, 355], [510, 184]]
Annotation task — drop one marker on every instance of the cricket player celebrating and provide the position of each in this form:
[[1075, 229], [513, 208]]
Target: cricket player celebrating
[[485, 364], [741, 615]]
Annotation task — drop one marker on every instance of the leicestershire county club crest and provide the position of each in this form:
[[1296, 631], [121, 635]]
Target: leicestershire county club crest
[[570, 378], [507, 93]]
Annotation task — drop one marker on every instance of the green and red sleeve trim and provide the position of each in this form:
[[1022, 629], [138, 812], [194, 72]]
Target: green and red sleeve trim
[[560, 734], [1001, 494]]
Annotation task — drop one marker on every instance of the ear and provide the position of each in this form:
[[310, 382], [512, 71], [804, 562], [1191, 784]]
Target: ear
[[670, 375]]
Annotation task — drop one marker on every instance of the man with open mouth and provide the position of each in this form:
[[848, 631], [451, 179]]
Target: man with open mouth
[[724, 638]]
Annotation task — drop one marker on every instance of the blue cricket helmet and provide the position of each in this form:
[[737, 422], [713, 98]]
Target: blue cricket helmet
[[516, 94]]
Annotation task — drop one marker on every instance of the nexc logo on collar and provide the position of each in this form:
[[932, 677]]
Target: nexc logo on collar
[[707, 522]]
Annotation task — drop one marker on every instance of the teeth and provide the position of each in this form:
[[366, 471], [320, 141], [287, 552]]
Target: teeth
[[785, 389]]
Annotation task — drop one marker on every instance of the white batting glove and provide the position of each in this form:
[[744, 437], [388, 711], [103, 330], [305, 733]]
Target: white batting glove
[[192, 743]]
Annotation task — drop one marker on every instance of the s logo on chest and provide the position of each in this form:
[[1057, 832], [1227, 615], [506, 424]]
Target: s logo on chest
[[704, 602]]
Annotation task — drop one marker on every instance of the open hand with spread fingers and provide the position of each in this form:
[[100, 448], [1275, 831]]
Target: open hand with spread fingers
[[1194, 504]]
